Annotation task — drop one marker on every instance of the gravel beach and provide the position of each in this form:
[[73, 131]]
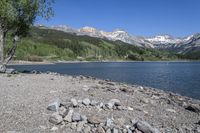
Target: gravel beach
[[24, 99]]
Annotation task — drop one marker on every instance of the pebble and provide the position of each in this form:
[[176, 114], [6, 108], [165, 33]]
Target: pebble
[[76, 117], [86, 88], [116, 102], [115, 130], [86, 101], [68, 117], [171, 110], [54, 106], [73, 125], [55, 118], [62, 111], [110, 105], [87, 129], [130, 108], [54, 128], [109, 123], [93, 103], [108, 130], [100, 129], [80, 126], [74, 102]]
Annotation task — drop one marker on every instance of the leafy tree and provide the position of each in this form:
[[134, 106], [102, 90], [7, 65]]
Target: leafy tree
[[16, 17]]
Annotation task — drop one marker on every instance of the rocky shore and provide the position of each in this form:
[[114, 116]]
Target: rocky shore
[[51, 102]]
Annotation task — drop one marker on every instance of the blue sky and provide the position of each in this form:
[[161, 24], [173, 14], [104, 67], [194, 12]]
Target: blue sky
[[138, 17]]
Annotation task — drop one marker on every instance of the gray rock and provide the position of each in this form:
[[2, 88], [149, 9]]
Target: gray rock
[[83, 118], [115, 130], [80, 126], [87, 129], [120, 122], [76, 117], [73, 125], [115, 101], [197, 130], [63, 111], [54, 106], [125, 131], [110, 105], [93, 103], [54, 128], [55, 118], [86, 88], [134, 121], [146, 128], [100, 129], [68, 117], [95, 119], [86, 101], [194, 108], [108, 130], [129, 131], [144, 100], [101, 105], [74, 102], [109, 123], [127, 127], [10, 71]]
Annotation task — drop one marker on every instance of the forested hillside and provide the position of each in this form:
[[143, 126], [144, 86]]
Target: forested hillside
[[46, 44]]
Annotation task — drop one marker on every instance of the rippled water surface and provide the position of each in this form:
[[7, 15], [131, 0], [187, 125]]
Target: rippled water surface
[[179, 77]]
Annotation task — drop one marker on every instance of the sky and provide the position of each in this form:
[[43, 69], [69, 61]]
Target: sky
[[179, 18]]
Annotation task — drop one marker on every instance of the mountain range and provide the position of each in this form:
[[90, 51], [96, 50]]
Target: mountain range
[[185, 45]]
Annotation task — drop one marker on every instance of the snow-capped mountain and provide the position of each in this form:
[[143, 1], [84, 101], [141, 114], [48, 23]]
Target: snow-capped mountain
[[165, 42], [163, 39]]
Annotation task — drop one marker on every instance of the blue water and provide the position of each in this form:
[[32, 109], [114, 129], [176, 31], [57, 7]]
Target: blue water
[[178, 77]]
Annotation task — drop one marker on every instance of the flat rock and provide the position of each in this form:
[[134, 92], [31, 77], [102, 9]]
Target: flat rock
[[95, 119], [146, 128]]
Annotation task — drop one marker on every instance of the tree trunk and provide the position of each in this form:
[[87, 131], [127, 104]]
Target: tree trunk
[[11, 51], [2, 41]]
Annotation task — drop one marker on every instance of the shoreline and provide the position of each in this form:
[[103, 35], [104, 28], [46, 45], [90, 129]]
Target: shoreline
[[30, 94], [110, 61]]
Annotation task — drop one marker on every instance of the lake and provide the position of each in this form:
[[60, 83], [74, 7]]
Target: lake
[[178, 77]]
